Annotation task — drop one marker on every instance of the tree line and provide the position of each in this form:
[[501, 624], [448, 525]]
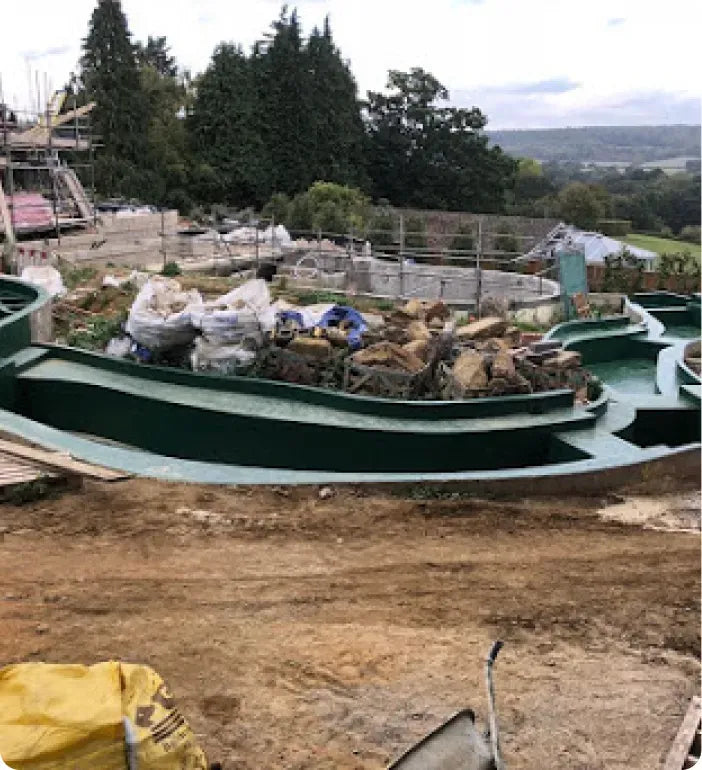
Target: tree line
[[258, 128], [274, 120], [650, 200]]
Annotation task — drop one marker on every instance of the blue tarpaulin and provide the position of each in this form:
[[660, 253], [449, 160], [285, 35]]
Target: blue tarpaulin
[[341, 314]]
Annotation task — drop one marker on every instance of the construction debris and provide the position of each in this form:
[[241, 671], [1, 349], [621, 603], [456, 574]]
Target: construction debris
[[390, 356], [470, 371], [492, 326], [312, 347]]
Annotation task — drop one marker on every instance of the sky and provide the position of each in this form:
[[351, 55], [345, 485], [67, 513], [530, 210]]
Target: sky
[[524, 63]]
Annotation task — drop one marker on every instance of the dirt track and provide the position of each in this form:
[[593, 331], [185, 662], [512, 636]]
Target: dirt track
[[306, 633]]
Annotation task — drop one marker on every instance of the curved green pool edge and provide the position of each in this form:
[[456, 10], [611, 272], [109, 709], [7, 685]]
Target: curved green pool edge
[[591, 470], [15, 328]]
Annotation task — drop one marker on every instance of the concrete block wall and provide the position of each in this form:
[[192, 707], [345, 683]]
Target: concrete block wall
[[453, 284]]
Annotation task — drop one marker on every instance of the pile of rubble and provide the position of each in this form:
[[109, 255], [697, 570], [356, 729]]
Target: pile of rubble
[[417, 351], [496, 359]]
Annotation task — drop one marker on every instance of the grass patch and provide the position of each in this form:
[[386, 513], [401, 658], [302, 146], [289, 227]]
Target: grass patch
[[362, 304], [662, 245], [95, 333], [75, 276]]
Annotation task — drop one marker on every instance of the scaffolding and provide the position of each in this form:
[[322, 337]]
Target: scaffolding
[[40, 191]]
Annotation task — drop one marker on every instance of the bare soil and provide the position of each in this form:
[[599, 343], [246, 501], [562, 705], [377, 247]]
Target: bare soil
[[299, 632]]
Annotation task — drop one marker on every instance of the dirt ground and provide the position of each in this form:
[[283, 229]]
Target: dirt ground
[[300, 632]]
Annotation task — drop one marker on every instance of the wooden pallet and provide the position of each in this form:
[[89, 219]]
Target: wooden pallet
[[686, 751], [14, 472], [58, 463]]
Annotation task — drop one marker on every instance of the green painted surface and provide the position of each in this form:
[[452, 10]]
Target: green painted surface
[[628, 375], [680, 322], [572, 275], [17, 301], [177, 469], [653, 299], [196, 423], [593, 327], [178, 424]]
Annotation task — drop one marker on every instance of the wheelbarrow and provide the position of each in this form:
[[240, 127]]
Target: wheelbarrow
[[458, 744]]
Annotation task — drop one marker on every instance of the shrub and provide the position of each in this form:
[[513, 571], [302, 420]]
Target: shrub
[[330, 207], [277, 208], [171, 270]]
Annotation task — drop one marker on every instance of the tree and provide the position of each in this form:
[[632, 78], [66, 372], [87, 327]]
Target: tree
[[284, 85], [156, 54], [165, 170], [530, 182], [581, 204], [679, 201], [110, 77], [424, 155], [336, 125], [231, 163]]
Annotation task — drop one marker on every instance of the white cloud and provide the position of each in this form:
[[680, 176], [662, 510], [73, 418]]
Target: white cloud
[[571, 60]]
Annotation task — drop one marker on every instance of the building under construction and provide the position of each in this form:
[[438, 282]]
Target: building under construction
[[40, 191]]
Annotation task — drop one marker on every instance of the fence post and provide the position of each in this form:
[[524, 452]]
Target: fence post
[[258, 263], [478, 273], [163, 237], [402, 255]]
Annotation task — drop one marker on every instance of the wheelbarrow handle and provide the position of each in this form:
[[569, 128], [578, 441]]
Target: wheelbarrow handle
[[494, 650]]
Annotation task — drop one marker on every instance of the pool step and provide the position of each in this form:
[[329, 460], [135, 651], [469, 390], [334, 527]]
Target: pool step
[[599, 443]]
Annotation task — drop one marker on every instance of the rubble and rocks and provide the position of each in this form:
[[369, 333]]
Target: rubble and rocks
[[418, 330], [563, 359], [470, 372], [414, 308], [390, 356], [311, 347], [419, 348], [415, 351], [503, 366], [492, 326]]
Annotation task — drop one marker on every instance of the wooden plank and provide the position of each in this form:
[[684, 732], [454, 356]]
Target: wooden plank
[[61, 461], [680, 750], [6, 218]]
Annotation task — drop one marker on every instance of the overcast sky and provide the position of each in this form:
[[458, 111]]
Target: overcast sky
[[525, 63]]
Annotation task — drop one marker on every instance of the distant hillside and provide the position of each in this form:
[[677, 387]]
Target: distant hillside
[[630, 144]]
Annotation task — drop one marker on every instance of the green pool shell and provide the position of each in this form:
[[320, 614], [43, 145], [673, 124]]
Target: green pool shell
[[179, 425]]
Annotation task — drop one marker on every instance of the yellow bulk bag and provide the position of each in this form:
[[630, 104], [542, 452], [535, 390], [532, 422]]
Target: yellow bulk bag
[[61, 716]]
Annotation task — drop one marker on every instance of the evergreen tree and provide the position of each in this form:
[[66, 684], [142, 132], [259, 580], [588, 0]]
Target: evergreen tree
[[165, 174], [230, 157], [282, 68], [337, 128], [157, 54], [111, 78]]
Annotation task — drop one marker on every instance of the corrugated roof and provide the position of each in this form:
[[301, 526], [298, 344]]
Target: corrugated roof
[[597, 246]]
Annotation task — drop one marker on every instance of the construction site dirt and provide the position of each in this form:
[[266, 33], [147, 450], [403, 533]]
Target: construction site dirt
[[300, 630]]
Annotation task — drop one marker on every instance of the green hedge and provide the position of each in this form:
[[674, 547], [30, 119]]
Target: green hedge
[[614, 227]]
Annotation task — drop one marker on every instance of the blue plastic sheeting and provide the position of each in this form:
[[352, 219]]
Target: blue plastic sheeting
[[333, 317], [342, 314], [291, 315]]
